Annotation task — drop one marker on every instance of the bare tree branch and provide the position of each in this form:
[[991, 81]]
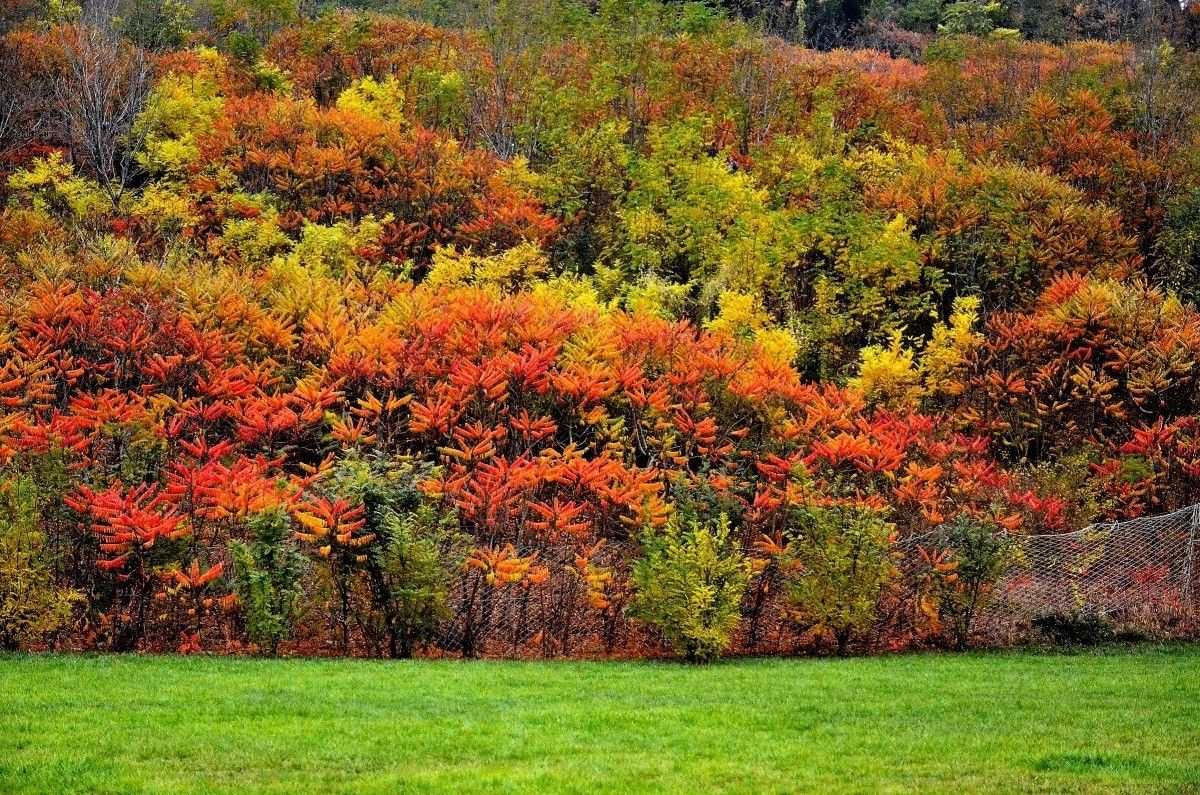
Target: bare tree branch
[[99, 91]]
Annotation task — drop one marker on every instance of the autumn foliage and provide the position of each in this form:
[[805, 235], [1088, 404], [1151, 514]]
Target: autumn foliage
[[484, 321]]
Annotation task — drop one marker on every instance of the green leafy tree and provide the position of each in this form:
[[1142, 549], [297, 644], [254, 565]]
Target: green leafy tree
[[258, 18], [981, 554], [417, 564], [1176, 265], [690, 584], [693, 221], [840, 566], [409, 567], [267, 580], [969, 16], [155, 25], [31, 604]]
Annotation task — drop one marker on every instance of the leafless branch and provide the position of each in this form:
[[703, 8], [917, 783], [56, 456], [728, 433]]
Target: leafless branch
[[99, 91]]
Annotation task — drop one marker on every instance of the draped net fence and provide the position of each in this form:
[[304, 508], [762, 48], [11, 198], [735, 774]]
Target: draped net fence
[[578, 609], [1138, 574]]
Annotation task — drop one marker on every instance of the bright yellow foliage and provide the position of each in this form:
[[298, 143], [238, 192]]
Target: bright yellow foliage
[[382, 100], [180, 109], [336, 250], [51, 186], [517, 267], [888, 373], [949, 347]]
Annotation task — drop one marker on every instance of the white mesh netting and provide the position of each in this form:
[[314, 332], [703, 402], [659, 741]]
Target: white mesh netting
[[1136, 572]]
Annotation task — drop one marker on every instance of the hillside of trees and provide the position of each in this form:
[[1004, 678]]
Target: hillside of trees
[[535, 328]]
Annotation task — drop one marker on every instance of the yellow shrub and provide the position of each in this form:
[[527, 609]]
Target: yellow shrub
[[179, 110], [509, 270], [381, 100], [51, 186], [577, 292], [888, 374], [252, 233], [778, 344], [336, 250], [164, 209], [737, 313], [949, 347]]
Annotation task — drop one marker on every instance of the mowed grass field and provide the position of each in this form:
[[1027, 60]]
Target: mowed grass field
[[1119, 720]]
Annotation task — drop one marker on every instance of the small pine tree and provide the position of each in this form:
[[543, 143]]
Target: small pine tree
[[267, 579], [690, 584]]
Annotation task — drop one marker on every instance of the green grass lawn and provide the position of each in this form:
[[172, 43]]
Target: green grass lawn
[[1118, 720]]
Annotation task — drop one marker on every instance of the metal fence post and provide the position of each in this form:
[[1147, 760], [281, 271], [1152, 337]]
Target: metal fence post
[[1189, 561]]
